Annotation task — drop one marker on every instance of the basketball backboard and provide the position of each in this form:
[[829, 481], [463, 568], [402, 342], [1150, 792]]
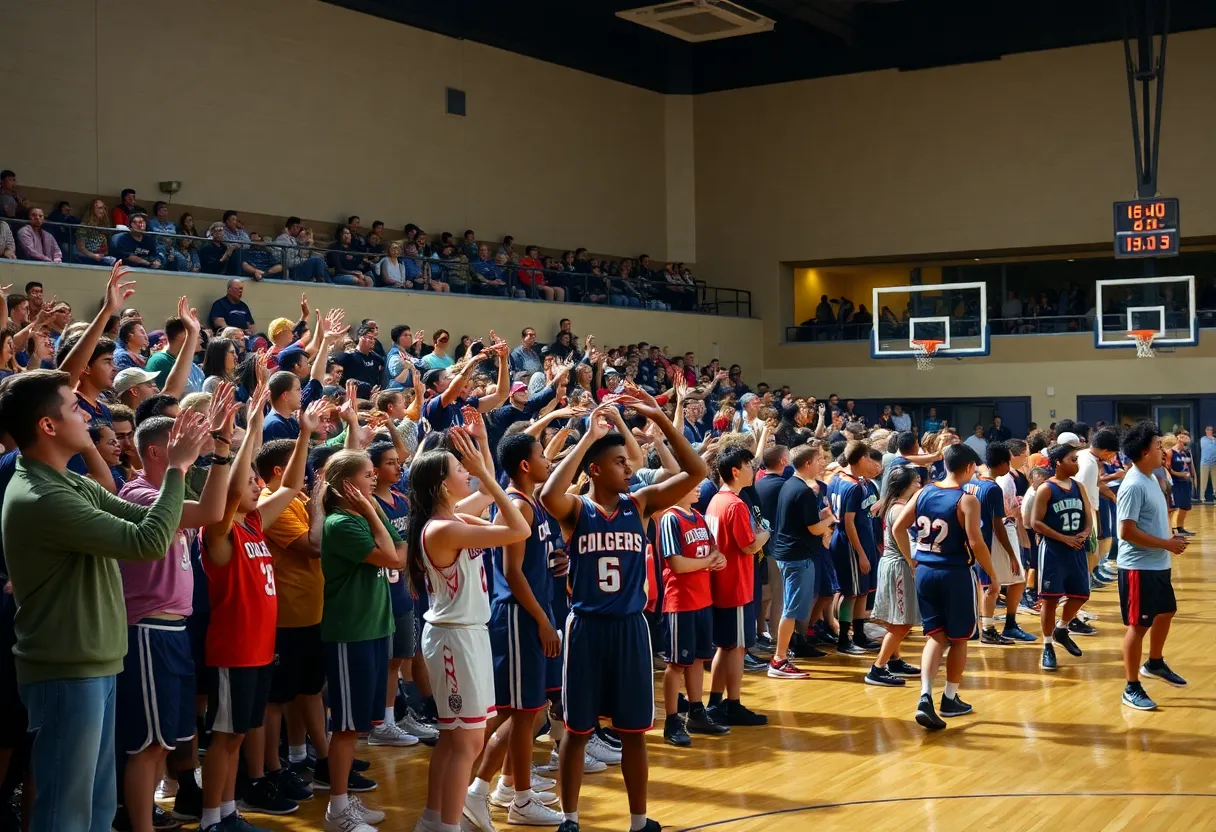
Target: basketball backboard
[[954, 314], [1165, 305]]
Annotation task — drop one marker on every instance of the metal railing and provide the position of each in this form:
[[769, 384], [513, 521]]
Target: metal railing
[[969, 326], [266, 259]]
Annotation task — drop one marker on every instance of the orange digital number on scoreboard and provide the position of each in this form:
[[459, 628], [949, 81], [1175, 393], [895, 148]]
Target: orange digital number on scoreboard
[[1146, 228]]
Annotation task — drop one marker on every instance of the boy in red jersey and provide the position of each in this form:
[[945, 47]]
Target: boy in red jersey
[[244, 614], [689, 555]]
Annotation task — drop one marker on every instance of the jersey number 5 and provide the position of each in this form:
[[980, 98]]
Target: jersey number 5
[[610, 574], [926, 527]]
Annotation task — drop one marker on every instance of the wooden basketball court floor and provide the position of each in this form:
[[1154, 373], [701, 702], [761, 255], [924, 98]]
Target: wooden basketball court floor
[[1040, 751]]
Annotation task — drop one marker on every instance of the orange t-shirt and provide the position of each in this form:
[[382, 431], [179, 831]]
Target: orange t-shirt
[[301, 587]]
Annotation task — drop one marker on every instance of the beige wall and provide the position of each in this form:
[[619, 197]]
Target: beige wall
[[734, 340], [1030, 150], [299, 107]]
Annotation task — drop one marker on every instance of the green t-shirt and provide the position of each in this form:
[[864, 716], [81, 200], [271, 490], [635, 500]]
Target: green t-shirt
[[357, 605], [161, 363]]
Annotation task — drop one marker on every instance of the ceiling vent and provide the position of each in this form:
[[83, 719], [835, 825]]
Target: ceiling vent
[[699, 20]]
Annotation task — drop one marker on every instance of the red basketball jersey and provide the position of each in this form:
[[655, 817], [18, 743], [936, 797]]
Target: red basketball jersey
[[652, 582], [684, 535], [244, 607]]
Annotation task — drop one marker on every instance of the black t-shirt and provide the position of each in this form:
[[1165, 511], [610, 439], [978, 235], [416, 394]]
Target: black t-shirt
[[368, 370], [798, 507], [234, 313]]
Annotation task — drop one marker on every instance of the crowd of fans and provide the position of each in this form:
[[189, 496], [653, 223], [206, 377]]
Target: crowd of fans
[[357, 255]]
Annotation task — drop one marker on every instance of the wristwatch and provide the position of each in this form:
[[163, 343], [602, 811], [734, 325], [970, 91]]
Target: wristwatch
[[216, 459]]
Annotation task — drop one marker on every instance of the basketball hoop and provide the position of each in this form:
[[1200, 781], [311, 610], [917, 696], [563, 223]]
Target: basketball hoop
[[925, 350], [1144, 341]]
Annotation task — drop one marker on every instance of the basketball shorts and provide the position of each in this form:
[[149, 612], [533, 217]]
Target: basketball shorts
[[1182, 495], [155, 698], [826, 584], [237, 697], [521, 668], [1008, 570], [196, 627], [947, 601], [1106, 519], [461, 667], [688, 636], [734, 626], [357, 673], [608, 673], [405, 637], [1063, 571], [14, 720], [1145, 594], [299, 663], [852, 582]]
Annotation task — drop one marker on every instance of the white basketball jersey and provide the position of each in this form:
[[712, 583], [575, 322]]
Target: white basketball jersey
[[459, 593]]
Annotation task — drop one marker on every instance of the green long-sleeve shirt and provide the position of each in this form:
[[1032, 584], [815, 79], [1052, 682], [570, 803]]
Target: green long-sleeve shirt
[[63, 537]]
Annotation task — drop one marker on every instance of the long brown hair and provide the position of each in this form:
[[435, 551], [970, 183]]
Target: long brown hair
[[428, 472], [341, 466]]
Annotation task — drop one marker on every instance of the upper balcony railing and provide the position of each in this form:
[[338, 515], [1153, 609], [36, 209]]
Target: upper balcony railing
[[268, 260]]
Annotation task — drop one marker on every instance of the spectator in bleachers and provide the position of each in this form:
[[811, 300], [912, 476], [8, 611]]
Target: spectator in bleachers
[[526, 357], [262, 259], [429, 282], [391, 269], [93, 246], [471, 248], [508, 246], [412, 264], [455, 272], [364, 364], [233, 231], [36, 242], [132, 341], [485, 266], [136, 247], [12, 204], [166, 247], [438, 357], [121, 213], [8, 244], [60, 219], [298, 261], [230, 310], [623, 294], [218, 257], [357, 242], [533, 276], [347, 261]]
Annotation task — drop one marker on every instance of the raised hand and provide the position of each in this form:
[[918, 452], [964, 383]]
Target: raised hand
[[333, 324], [222, 409], [418, 336], [303, 307], [257, 404], [357, 500], [186, 439], [310, 417], [261, 367], [4, 290], [474, 425], [470, 457], [349, 411], [116, 290], [600, 423]]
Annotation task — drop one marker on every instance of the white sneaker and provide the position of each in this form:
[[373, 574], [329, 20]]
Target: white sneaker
[[423, 826], [599, 750], [533, 813], [388, 733], [590, 765], [503, 795], [477, 810], [348, 820], [368, 814], [418, 729], [541, 784]]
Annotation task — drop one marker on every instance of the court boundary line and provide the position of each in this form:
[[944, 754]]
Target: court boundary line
[[878, 801]]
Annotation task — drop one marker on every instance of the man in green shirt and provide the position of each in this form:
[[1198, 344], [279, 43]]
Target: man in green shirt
[[176, 372], [63, 536]]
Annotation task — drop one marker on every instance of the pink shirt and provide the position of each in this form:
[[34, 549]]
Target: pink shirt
[[162, 586], [39, 245]]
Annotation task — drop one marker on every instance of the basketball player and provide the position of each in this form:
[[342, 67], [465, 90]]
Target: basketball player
[[687, 549], [1062, 520], [854, 550], [1146, 596], [1013, 485], [445, 549], [523, 637], [894, 598], [1182, 475], [1007, 562], [948, 542], [609, 669], [241, 633]]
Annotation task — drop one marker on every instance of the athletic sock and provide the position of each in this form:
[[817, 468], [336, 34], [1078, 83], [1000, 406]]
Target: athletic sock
[[926, 685], [389, 714], [844, 633], [480, 787], [227, 808], [1011, 620], [212, 816], [338, 802], [570, 816], [1048, 640], [297, 753], [951, 690], [522, 797], [449, 827], [430, 815], [637, 822], [714, 698], [989, 623], [1156, 664], [1134, 685]]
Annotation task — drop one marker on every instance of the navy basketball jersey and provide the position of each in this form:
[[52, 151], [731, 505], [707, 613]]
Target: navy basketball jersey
[[992, 505], [537, 549], [847, 494], [608, 560], [941, 539], [937, 471], [871, 500], [398, 514], [1065, 513], [1106, 468], [1180, 462]]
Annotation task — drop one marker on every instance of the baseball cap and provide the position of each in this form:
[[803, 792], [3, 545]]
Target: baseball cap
[[518, 386], [1070, 438], [277, 327], [611, 371], [130, 377], [155, 337]]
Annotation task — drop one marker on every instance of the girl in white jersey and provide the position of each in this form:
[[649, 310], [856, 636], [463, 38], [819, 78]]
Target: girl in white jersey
[[446, 549]]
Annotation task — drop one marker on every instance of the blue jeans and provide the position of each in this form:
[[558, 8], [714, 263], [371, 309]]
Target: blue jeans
[[798, 592], [313, 269], [624, 300], [73, 755], [344, 280]]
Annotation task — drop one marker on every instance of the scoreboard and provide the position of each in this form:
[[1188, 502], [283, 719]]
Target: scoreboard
[[1146, 228]]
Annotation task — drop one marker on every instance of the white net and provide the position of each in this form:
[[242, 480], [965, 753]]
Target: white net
[[1144, 343], [925, 350]]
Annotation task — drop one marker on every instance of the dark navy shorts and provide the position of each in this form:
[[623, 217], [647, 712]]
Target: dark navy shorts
[[1106, 519], [609, 673], [237, 697], [734, 626], [826, 584], [357, 672], [521, 668], [299, 663], [852, 583], [156, 689], [1063, 571], [947, 601], [688, 636]]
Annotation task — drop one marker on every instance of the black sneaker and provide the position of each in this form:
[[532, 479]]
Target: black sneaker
[[262, 796], [610, 737], [652, 826], [1017, 634], [674, 732], [805, 650], [163, 820], [991, 636], [866, 643], [292, 785], [954, 707], [1049, 658], [881, 677], [1079, 628], [753, 665], [738, 714], [359, 765], [188, 803], [926, 717], [1164, 674], [122, 820], [900, 668], [303, 769], [765, 643], [682, 704], [701, 723], [1063, 639], [849, 648], [568, 826]]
